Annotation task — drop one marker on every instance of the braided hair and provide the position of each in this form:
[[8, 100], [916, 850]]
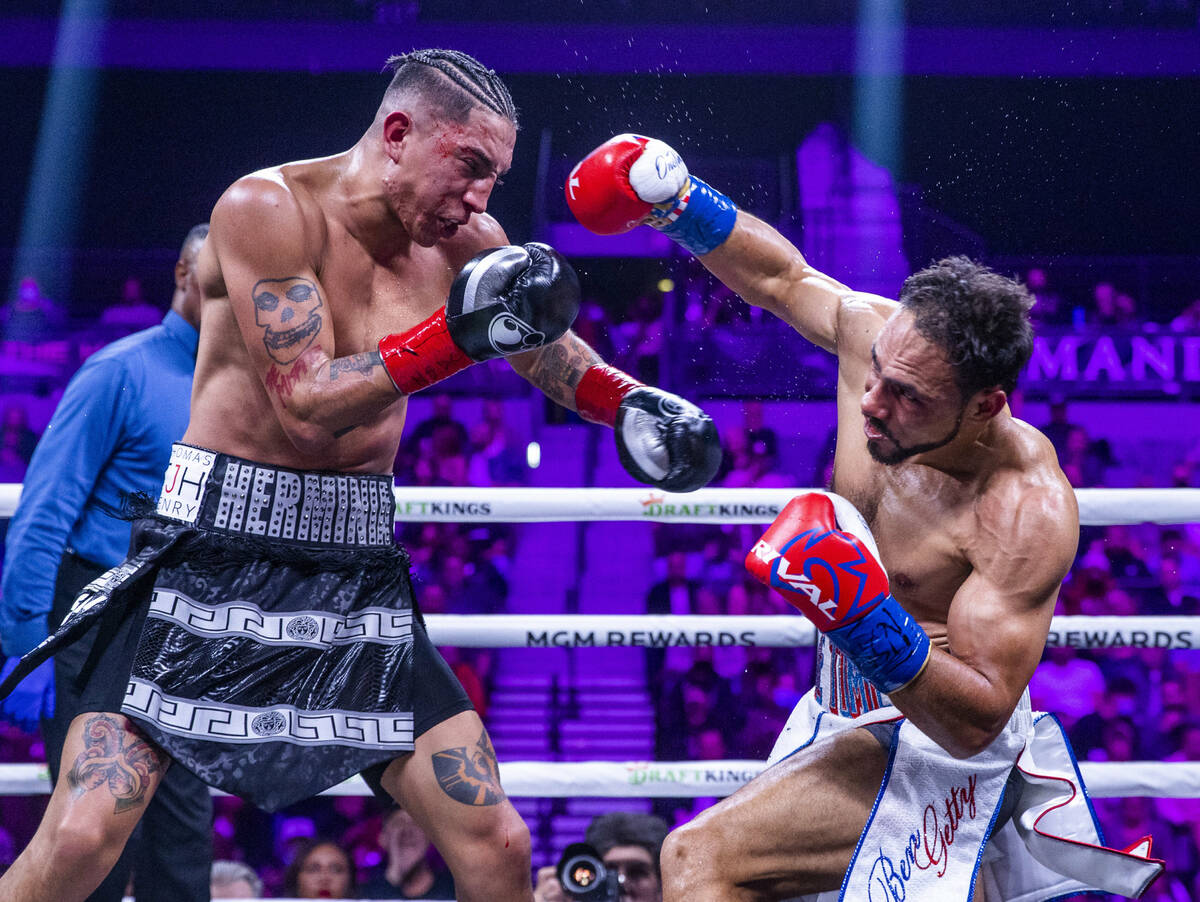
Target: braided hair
[[478, 84]]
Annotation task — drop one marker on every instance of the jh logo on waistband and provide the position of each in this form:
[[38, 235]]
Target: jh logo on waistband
[[183, 483]]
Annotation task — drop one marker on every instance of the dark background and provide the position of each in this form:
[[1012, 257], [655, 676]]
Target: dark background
[[1033, 165]]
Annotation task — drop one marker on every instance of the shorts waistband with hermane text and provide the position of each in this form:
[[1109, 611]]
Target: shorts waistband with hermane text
[[232, 495]]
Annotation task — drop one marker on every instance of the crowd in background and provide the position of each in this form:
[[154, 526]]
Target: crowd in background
[[1122, 704]]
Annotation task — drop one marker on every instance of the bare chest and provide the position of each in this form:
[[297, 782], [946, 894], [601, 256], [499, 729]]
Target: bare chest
[[920, 534], [369, 298]]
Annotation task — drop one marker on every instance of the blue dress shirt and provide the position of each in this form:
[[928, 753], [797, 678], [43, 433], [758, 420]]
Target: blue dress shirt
[[110, 435]]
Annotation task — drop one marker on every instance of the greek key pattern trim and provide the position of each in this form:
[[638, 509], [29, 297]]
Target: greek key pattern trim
[[279, 723], [308, 629]]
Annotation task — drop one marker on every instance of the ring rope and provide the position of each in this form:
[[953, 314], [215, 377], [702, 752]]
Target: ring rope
[[442, 504], [541, 779], [762, 631], [695, 779]]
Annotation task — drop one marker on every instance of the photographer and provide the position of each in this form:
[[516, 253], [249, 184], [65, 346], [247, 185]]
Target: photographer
[[628, 844]]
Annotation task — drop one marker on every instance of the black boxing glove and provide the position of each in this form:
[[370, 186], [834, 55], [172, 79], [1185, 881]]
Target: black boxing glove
[[662, 440], [504, 301]]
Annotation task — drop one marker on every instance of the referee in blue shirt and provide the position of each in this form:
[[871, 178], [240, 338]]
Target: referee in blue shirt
[[110, 436]]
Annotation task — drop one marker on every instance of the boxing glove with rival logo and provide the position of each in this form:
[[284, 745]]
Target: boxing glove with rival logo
[[820, 556], [505, 301]]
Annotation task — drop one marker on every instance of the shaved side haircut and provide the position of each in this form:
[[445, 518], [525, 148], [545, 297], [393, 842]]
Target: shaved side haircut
[[467, 83], [195, 237]]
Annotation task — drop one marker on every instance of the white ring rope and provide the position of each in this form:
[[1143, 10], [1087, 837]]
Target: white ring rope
[[442, 504], [695, 779], [547, 779], [781, 631]]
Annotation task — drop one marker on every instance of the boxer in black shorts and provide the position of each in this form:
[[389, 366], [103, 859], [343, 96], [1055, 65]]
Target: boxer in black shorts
[[262, 631]]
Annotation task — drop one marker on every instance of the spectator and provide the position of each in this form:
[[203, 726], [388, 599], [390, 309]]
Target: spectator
[[1049, 305], [758, 467], [641, 337], [234, 880], [695, 701], [1083, 461], [31, 317], [676, 594], [472, 587], [16, 434], [1126, 557], [1176, 545], [1067, 684], [132, 312], [14, 460], [725, 309], [1188, 319], [591, 325], [321, 869], [496, 458], [410, 870], [1175, 598], [1059, 425], [718, 570], [767, 700], [1112, 308], [438, 435], [629, 843]]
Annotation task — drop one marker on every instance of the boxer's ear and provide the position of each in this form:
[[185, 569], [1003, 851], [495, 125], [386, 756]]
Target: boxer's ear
[[396, 127], [986, 403]]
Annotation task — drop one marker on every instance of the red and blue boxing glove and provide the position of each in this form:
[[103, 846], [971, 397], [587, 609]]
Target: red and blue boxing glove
[[631, 179], [820, 556]]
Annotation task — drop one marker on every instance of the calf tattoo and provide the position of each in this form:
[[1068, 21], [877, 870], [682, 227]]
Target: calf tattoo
[[470, 776], [112, 757], [289, 311]]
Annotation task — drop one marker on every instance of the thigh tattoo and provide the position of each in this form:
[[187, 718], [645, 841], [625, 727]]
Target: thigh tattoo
[[112, 758], [470, 775]]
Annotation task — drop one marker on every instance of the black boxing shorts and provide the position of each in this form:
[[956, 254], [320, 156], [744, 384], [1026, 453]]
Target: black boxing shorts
[[263, 631]]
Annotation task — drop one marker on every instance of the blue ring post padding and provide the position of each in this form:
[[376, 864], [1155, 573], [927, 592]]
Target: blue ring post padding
[[706, 221], [886, 644]]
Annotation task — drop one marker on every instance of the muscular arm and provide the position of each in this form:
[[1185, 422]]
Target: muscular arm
[[998, 620], [557, 368], [265, 249], [768, 271]]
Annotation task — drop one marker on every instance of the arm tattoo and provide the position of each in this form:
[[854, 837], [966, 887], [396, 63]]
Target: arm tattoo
[[116, 757], [284, 383], [356, 363], [289, 312], [470, 776], [558, 367]]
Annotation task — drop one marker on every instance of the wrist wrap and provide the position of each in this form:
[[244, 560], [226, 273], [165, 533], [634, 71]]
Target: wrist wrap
[[423, 355], [700, 220], [600, 391], [886, 644]]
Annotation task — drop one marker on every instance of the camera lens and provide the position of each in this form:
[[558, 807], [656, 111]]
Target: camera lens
[[581, 873], [584, 877]]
